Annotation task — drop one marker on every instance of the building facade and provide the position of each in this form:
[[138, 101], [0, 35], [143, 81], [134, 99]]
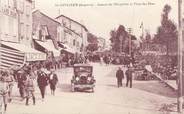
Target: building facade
[[16, 34], [24, 8], [45, 32], [74, 34], [40, 20], [16, 21], [8, 21]]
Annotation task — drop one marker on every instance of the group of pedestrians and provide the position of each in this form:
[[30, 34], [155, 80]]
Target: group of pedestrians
[[120, 76], [26, 79]]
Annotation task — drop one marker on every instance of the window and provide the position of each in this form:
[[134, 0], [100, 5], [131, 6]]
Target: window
[[58, 37], [20, 5], [77, 44], [15, 27], [27, 32], [2, 24], [40, 34], [74, 42], [6, 25], [21, 30], [33, 5], [70, 24], [28, 10], [64, 23], [10, 23], [28, 18]]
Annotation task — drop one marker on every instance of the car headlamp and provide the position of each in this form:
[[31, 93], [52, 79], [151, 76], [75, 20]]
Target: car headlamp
[[89, 78], [77, 78]]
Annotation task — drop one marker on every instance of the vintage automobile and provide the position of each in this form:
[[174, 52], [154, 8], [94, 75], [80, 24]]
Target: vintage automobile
[[83, 78]]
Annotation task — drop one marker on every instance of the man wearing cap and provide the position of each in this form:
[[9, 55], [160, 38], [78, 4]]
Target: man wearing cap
[[42, 81]]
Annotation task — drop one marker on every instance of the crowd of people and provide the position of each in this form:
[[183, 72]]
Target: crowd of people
[[26, 80], [43, 75], [162, 66]]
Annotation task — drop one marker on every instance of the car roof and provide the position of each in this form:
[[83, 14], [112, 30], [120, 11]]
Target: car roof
[[81, 65]]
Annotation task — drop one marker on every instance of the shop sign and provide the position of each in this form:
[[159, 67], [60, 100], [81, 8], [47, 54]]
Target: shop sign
[[35, 56], [8, 11]]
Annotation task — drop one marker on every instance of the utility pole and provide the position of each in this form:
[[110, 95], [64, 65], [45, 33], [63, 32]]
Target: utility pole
[[121, 41], [180, 54], [130, 40], [142, 27]]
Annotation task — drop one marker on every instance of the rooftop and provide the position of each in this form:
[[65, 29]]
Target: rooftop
[[73, 21], [45, 16]]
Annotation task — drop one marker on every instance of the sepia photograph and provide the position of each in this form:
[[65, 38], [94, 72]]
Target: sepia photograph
[[91, 57]]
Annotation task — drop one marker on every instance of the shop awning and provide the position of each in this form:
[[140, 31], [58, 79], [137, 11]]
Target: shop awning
[[30, 53], [49, 46], [11, 58], [67, 48]]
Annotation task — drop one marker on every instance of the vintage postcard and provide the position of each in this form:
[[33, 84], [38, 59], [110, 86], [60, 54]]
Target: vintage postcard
[[91, 56]]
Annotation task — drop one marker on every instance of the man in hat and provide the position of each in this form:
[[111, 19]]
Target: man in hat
[[42, 81], [21, 78], [128, 74], [53, 80], [119, 76]]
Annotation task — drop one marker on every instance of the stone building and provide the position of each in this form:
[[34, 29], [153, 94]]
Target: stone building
[[8, 21], [24, 8], [74, 34], [16, 34], [45, 31]]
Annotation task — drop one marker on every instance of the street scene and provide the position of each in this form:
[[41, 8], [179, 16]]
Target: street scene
[[113, 57], [144, 98]]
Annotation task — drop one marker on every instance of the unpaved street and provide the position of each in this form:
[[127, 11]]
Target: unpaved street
[[146, 97]]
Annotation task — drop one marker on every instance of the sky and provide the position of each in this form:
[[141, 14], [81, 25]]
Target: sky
[[102, 16]]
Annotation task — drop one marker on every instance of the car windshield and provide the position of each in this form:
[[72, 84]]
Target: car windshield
[[85, 71]]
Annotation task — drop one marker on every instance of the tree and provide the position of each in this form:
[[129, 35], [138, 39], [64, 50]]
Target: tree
[[114, 41], [93, 42], [92, 47], [119, 39], [167, 32]]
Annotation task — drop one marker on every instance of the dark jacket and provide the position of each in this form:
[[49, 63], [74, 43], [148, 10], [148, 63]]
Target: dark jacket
[[54, 79], [129, 73], [21, 80], [42, 79], [120, 74]]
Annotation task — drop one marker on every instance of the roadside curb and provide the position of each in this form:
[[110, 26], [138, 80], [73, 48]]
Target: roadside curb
[[165, 82]]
